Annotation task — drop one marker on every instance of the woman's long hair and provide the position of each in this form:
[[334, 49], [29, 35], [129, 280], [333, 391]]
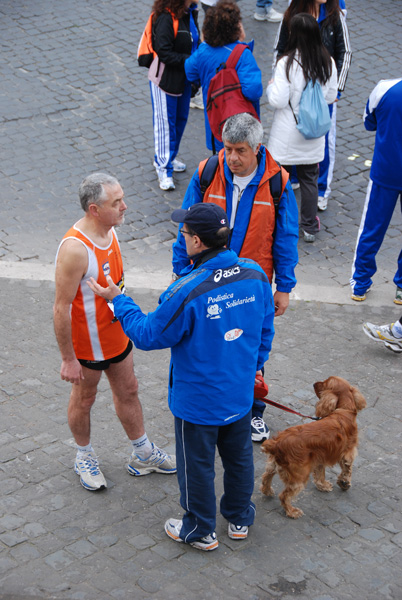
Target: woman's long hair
[[308, 6], [176, 7], [222, 24], [306, 47]]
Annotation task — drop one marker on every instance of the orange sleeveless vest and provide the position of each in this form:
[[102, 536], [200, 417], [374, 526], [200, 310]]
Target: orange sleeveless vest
[[96, 335], [257, 243]]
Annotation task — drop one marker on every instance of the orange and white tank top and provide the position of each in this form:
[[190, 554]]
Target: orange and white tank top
[[96, 334]]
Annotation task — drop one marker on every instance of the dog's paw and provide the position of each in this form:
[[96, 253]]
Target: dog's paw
[[324, 486], [294, 513], [343, 484], [267, 491]]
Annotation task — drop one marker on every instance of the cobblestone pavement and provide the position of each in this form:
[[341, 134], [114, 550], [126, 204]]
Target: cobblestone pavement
[[74, 101]]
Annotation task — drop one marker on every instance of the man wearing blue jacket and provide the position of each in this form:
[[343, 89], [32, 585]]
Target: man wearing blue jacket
[[383, 114], [243, 186], [218, 321]]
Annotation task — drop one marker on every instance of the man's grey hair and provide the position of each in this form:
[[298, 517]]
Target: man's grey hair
[[243, 128], [92, 191]]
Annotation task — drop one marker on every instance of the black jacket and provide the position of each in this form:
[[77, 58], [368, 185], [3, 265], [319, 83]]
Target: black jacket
[[336, 40], [172, 50]]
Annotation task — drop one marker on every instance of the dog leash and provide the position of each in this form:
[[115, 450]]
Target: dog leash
[[261, 391], [283, 407]]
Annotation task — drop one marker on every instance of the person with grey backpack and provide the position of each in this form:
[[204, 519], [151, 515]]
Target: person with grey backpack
[[305, 73]]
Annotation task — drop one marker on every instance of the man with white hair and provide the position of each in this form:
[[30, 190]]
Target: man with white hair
[[91, 340], [255, 193]]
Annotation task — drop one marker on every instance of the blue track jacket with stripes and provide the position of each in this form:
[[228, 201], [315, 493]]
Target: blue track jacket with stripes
[[383, 114], [218, 322]]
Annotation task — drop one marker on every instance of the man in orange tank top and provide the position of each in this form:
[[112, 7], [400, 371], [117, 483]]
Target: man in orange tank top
[[91, 340]]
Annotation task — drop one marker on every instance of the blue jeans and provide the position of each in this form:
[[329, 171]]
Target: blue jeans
[[195, 458]]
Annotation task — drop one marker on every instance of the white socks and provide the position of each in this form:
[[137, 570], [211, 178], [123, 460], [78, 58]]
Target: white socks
[[142, 447], [84, 450], [397, 329]]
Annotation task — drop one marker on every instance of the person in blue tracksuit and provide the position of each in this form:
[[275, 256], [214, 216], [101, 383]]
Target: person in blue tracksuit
[[242, 135], [218, 321], [222, 31], [170, 90], [383, 114]]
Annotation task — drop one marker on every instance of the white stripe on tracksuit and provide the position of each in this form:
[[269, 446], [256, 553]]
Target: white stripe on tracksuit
[[161, 127]]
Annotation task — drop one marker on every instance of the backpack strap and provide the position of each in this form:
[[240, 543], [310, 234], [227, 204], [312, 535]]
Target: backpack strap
[[275, 186], [208, 173], [235, 55]]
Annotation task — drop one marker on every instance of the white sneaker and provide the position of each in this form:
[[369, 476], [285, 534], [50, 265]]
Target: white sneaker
[[322, 203], [158, 462], [271, 15], [197, 101], [166, 183], [237, 532], [207, 543], [178, 166], [91, 477], [259, 430], [295, 185]]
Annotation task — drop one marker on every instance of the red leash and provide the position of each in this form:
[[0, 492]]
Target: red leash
[[261, 390], [273, 403]]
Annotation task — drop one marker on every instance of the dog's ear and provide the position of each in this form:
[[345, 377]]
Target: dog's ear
[[326, 404], [359, 399]]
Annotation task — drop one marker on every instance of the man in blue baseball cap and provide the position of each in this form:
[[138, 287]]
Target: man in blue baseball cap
[[218, 321]]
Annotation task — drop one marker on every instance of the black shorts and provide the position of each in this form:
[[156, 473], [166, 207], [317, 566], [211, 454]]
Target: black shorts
[[102, 365]]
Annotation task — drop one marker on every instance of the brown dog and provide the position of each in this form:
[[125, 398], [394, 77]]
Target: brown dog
[[297, 451]]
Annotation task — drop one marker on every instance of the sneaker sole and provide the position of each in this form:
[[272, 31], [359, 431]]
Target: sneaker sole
[[358, 298], [397, 301], [201, 546], [147, 470], [89, 487], [237, 536], [179, 170], [259, 437], [393, 347], [173, 537]]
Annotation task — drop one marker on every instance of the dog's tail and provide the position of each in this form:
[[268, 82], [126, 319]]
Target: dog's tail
[[269, 447], [276, 451]]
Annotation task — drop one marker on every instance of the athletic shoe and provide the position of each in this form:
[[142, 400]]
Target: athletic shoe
[[237, 532], [197, 101], [382, 333], [91, 477], [308, 237], [166, 183], [295, 185], [322, 203], [158, 462], [360, 297], [259, 430], [206, 543], [271, 15], [398, 296], [393, 347], [178, 166]]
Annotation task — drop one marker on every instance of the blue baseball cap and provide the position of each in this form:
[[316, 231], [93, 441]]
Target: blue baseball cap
[[205, 218]]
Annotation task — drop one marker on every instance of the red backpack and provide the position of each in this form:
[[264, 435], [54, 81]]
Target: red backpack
[[225, 97]]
